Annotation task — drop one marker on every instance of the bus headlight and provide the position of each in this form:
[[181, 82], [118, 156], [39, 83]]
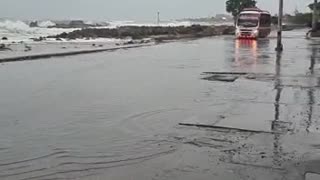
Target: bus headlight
[[237, 31], [256, 32]]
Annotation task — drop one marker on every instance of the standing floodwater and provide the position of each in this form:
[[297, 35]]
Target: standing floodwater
[[116, 115]]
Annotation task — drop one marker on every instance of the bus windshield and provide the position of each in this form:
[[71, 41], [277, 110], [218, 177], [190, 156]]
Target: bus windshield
[[248, 20]]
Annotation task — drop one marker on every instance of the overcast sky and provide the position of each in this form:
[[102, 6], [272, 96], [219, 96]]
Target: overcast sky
[[126, 9]]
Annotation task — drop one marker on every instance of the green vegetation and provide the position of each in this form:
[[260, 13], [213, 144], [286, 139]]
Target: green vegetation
[[236, 6], [300, 18], [311, 5]]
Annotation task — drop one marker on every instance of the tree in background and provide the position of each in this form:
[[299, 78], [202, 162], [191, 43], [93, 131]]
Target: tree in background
[[311, 6], [236, 6], [301, 18]]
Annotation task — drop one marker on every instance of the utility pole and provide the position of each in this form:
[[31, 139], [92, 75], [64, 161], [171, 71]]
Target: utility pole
[[315, 15], [279, 47]]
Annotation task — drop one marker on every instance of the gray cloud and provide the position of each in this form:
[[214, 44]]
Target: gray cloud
[[125, 9]]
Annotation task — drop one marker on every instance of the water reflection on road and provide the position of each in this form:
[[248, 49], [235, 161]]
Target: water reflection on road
[[78, 117], [249, 53], [296, 102]]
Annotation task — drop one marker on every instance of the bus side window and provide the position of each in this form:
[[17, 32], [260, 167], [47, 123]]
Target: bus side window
[[268, 20], [262, 21], [265, 20]]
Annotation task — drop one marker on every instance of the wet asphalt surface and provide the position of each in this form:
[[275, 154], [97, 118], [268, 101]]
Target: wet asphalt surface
[[116, 115]]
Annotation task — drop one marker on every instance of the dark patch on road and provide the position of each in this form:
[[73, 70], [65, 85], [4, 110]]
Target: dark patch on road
[[225, 128], [224, 78], [233, 76]]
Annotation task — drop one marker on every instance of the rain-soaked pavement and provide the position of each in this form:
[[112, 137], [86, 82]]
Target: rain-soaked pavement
[[212, 108]]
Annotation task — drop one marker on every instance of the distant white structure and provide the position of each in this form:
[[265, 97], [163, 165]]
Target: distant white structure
[[158, 18], [224, 17]]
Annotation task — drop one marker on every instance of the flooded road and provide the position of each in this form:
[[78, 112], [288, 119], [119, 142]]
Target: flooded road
[[116, 115]]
